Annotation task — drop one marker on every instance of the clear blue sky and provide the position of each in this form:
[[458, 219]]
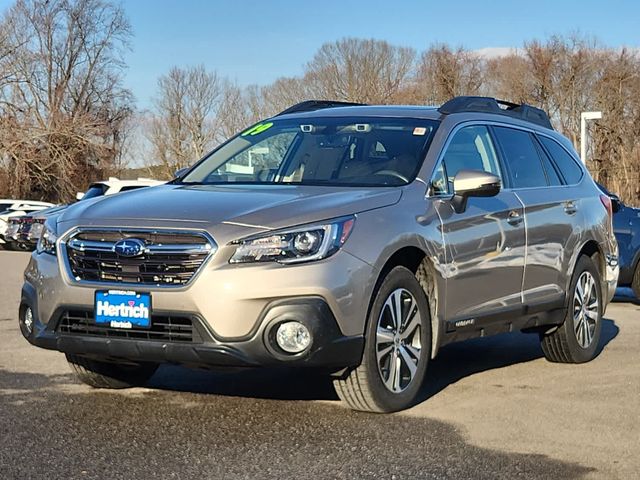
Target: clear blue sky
[[256, 41]]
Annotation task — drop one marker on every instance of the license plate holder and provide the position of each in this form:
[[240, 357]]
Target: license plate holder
[[122, 309]]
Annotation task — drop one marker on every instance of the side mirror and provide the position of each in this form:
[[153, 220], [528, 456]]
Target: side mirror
[[180, 172], [473, 183], [615, 202], [79, 196]]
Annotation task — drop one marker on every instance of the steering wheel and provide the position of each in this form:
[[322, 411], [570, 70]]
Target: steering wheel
[[393, 173]]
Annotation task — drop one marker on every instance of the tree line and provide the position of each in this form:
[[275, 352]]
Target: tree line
[[66, 117]]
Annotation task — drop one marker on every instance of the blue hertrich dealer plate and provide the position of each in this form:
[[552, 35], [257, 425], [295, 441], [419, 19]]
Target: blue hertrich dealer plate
[[123, 309]]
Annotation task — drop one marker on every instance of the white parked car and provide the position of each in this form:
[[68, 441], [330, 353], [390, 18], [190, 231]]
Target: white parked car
[[115, 185], [16, 208], [23, 233]]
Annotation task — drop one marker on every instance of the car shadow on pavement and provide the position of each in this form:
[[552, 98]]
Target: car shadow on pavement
[[163, 434], [453, 363], [267, 383]]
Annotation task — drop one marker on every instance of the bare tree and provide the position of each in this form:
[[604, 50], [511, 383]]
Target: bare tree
[[444, 73], [62, 102], [615, 160], [508, 78], [235, 113], [370, 71], [183, 122]]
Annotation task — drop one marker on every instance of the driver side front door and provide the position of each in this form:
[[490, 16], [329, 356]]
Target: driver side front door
[[485, 244]]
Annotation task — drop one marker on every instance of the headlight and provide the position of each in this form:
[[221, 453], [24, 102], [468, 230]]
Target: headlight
[[36, 230], [295, 245], [47, 241], [12, 230]]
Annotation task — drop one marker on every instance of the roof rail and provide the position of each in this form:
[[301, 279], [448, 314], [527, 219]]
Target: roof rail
[[500, 107], [311, 105]]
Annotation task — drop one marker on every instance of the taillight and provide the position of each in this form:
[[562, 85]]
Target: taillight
[[606, 201]]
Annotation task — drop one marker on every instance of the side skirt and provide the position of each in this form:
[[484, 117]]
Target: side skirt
[[527, 318]]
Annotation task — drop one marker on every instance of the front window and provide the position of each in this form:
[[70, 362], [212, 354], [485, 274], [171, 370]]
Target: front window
[[320, 151], [470, 148]]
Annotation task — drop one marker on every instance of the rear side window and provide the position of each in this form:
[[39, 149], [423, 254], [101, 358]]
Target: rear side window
[[522, 158], [570, 170], [131, 187]]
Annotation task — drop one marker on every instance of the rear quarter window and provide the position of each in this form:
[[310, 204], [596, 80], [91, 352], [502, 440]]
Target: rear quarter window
[[567, 165]]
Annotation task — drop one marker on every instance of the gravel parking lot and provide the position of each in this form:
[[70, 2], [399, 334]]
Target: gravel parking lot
[[494, 409]]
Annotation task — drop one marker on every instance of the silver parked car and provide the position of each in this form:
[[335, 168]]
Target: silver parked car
[[356, 239]]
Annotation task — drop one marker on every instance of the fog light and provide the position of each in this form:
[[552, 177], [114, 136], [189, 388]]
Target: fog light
[[293, 337]]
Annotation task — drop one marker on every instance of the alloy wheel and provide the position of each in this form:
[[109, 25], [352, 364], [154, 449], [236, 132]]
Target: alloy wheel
[[585, 309], [398, 343]]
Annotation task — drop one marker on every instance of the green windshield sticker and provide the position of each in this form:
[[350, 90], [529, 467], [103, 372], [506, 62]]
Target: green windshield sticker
[[259, 128]]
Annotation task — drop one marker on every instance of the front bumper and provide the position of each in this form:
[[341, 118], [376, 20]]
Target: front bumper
[[232, 308], [329, 349], [229, 298]]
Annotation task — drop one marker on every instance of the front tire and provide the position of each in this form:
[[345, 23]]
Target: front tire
[[397, 348], [577, 339], [100, 374]]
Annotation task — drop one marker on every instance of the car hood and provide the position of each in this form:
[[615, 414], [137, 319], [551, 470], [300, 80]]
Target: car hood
[[256, 207]]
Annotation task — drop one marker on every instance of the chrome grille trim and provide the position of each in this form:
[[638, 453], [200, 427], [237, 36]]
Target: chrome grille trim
[[186, 249], [162, 264]]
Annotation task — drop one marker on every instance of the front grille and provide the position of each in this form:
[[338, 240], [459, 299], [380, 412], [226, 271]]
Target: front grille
[[163, 328], [168, 258]]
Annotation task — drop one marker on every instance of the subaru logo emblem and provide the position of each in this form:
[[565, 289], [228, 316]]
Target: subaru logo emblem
[[129, 247]]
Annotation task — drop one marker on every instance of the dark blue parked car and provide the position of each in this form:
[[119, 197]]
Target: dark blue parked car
[[626, 225]]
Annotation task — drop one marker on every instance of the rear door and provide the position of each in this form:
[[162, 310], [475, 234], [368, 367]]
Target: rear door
[[485, 244], [552, 215]]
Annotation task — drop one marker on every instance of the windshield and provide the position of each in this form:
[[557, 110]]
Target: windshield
[[320, 151]]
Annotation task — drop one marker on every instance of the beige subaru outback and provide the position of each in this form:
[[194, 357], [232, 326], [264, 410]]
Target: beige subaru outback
[[353, 239]]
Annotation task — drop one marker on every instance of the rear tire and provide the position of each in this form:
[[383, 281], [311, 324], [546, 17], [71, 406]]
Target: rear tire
[[100, 374], [577, 339], [396, 354], [635, 285]]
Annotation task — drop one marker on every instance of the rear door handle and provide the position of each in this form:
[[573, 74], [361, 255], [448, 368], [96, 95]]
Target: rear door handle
[[570, 208], [515, 218]]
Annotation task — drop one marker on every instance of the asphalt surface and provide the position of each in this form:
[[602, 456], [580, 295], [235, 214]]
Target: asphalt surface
[[493, 408]]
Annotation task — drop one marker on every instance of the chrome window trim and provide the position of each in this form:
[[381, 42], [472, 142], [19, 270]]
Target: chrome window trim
[[487, 123], [68, 236]]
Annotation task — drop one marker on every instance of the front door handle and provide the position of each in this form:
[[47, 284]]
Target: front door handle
[[570, 208], [514, 218]]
